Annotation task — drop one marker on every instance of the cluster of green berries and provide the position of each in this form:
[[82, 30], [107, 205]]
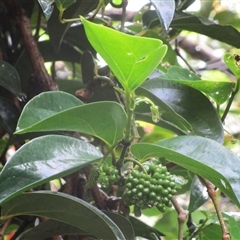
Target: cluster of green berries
[[108, 175], [155, 188]]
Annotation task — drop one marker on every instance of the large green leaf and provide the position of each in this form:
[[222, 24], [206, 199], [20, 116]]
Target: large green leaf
[[53, 111], [131, 58], [43, 159], [218, 90], [190, 104], [142, 229], [53, 228], [66, 209], [165, 10], [169, 117], [123, 223], [198, 195], [198, 24], [9, 79], [202, 156], [50, 228], [223, 33]]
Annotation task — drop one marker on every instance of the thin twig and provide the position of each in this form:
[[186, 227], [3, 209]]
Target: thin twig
[[234, 92], [4, 228], [212, 194], [182, 217]]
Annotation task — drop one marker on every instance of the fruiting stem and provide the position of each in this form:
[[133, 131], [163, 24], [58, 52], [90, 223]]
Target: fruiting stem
[[212, 194], [182, 216], [128, 132], [137, 163]]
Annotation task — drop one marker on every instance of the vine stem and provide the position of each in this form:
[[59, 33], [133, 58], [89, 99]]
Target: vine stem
[[212, 194], [234, 92], [128, 132], [137, 163], [182, 216]]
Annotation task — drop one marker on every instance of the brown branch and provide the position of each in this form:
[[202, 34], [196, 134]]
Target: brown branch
[[212, 194], [40, 80], [182, 216], [4, 228]]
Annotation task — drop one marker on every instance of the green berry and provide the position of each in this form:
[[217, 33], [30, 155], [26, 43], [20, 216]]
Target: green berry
[[129, 185], [146, 191], [152, 195]]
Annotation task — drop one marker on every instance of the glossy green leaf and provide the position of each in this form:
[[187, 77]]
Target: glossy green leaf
[[66, 209], [165, 10], [168, 115], [168, 224], [50, 228], [198, 24], [131, 58], [212, 231], [57, 30], [218, 90], [202, 156], [198, 195], [233, 62], [190, 104], [64, 4], [187, 175], [143, 230], [43, 159], [233, 224], [9, 115], [9, 79], [123, 223], [47, 7], [189, 22], [54, 111]]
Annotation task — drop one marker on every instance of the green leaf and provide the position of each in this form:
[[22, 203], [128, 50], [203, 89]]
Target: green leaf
[[57, 30], [189, 22], [47, 7], [168, 114], [50, 228], [9, 79], [131, 58], [218, 90], [233, 224], [198, 195], [123, 223], [64, 4], [190, 104], [142, 229], [233, 62], [9, 115], [212, 231], [202, 156], [165, 11], [66, 209], [54, 111], [43, 159]]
